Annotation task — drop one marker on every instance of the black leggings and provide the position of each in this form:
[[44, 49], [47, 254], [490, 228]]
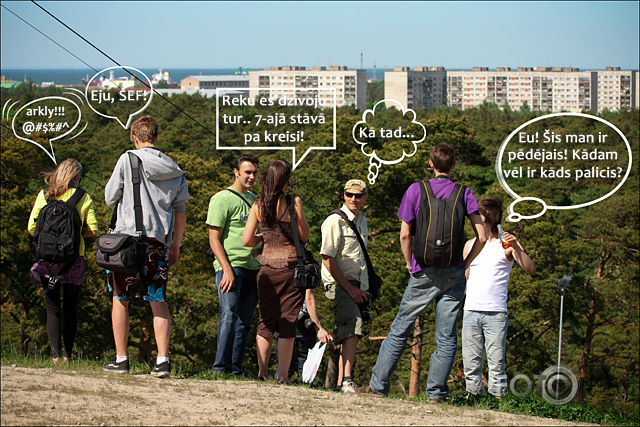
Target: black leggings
[[55, 312]]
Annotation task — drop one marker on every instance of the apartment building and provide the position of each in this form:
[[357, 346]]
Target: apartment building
[[274, 82], [422, 87], [214, 82], [542, 88], [617, 89]]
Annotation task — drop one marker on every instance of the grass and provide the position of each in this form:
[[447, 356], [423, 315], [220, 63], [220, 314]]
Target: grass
[[532, 404]]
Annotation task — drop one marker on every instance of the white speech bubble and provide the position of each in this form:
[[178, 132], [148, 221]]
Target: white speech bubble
[[294, 163], [86, 94], [373, 157], [515, 216], [51, 154]]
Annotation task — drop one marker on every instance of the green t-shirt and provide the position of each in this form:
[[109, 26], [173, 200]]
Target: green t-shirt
[[226, 210]]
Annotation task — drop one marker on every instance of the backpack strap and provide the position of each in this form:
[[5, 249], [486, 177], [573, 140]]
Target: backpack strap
[[239, 195], [136, 165], [75, 199], [373, 285]]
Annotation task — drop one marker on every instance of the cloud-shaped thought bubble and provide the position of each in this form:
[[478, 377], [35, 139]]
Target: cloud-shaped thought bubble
[[363, 132], [546, 152], [134, 100]]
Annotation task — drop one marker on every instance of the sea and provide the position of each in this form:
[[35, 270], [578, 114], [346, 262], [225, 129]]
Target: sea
[[74, 76]]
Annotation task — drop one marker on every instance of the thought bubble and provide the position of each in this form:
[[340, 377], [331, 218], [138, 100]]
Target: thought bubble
[[365, 133], [280, 120], [102, 97], [50, 117], [571, 149]]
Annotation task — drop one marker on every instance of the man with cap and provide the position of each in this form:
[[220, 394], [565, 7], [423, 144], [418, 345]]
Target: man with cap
[[344, 274]]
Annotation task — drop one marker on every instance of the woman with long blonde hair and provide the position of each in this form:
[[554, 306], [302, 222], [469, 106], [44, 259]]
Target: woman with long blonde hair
[[280, 302], [62, 184]]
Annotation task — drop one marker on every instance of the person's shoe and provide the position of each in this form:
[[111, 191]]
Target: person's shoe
[[117, 368], [348, 387], [438, 400], [366, 390], [162, 370]]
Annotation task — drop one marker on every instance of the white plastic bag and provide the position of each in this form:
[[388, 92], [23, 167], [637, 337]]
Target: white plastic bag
[[314, 358]]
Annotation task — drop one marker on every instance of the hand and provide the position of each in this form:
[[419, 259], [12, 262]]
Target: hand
[[323, 335], [511, 239], [227, 282], [358, 295], [174, 255]]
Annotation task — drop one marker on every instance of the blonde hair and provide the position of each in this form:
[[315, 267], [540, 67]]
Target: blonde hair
[[59, 181]]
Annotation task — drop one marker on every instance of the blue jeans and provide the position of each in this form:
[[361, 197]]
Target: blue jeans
[[446, 287], [484, 331], [236, 311]]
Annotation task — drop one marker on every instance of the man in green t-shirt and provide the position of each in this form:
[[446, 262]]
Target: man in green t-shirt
[[236, 268]]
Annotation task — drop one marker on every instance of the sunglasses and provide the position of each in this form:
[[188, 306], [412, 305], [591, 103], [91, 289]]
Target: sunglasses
[[357, 196]]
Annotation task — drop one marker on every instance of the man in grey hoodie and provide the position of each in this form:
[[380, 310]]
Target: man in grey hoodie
[[163, 195]]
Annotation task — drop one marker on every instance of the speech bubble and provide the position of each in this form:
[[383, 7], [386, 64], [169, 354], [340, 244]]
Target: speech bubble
[[589, 148], [45, 119], [265, 122], [363, 134], [102, 95]]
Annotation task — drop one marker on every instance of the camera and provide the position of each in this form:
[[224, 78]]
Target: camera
[[364, 310]]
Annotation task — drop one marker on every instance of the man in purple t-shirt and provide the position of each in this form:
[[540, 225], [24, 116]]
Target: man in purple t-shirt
[[445, 285]]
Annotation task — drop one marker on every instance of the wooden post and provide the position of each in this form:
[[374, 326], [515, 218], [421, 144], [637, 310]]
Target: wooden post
[[416, 358]]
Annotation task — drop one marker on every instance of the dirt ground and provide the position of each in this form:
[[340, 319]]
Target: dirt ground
[[65, 397]]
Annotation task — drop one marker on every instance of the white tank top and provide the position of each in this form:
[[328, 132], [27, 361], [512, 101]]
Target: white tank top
[[488, 279]]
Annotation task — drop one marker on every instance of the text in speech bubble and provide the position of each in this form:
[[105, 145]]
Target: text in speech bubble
[[575, 150], [283, 119], [381, 138], [51, 118], [119, 98]]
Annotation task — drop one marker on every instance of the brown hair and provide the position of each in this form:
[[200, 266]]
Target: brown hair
[[248, 157], [59, 181], [491, 209], [443, 157], [273, 181], [145, 129]]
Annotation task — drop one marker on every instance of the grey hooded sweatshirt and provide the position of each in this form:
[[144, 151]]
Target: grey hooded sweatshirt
[[163, 193]]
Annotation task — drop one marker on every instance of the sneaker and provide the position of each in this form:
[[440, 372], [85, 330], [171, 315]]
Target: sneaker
[[162, 370], [117, 368], [366, 390], [438, 400], [348, 387]]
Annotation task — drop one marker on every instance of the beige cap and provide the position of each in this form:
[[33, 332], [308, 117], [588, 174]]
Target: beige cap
[[355, 184]]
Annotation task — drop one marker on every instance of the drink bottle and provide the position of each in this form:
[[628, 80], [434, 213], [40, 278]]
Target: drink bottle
[[505, 245]]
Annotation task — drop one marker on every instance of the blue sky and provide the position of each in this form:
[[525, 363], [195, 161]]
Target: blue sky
[[260, 34]]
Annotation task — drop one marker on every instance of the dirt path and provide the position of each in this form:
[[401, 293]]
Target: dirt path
[[54, 397]]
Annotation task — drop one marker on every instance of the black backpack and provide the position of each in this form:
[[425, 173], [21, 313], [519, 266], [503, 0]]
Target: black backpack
[[438, 238], [59, 230]]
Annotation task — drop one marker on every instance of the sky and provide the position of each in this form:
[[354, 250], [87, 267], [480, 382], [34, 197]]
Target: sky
[[587, 35]]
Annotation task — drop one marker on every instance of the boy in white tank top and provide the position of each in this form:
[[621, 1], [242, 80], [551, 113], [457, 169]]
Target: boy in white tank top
[[484, 327]]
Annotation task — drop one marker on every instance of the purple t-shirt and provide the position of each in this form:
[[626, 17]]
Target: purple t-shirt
[[442, 189]]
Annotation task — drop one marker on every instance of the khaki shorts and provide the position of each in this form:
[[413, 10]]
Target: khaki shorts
[[348, 318]]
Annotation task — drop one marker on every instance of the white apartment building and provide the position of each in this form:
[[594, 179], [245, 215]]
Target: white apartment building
[[617, 89], [350, 85], [215, 81], [422, 87], [543, 88]]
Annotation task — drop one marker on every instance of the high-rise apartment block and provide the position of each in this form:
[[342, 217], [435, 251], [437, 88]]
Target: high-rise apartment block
[[542, 88], [350, 85]]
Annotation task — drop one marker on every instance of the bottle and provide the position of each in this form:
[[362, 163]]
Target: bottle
[[505, 245]]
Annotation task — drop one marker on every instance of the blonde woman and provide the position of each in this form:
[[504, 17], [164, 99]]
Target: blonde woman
[[62, 184]]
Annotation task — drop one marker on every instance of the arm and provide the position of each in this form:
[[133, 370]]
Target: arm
[[310, 300], [515, 251], [481, 239], [358, 295], [465, 254], [249, 238], [91, 223], [301, 220], [113, 189], [228, 279], [406, 243], [180, 223], [37, 207]]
